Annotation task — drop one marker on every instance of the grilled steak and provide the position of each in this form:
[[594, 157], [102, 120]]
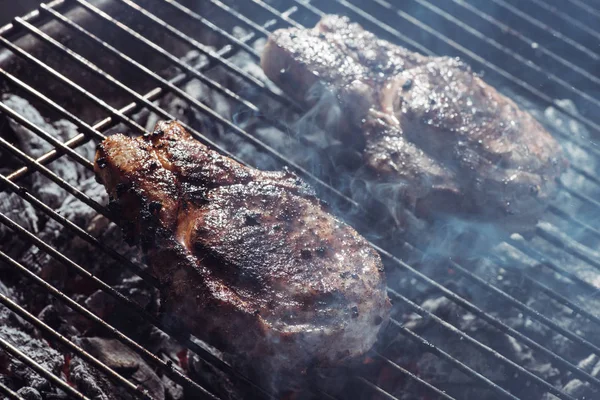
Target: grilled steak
[[451, 143], [247, 259]]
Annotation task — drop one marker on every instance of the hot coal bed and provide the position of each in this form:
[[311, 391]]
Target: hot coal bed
[[478, 313]]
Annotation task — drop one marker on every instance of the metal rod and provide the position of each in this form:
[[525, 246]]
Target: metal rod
[[217, 117], [568, 246], [585, 7], [496, 323], [46, 136], [210, 82], [120, 298], [470, 54], [544, 261], [375, 388], [111, 80], [55, 178], [546, 28], [60, 77], [484, 348], [512, 54], [107, 122], [468, 371], [173, 373], [511, 299], [422, 382], [361, 13], [31, 363], [114, 376], [9, 392], [520, 36], [218, 59]]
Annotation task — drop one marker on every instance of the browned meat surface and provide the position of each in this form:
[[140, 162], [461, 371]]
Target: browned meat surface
[[450, 142], [248, 259]]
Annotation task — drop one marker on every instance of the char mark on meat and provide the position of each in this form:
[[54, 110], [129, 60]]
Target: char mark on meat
[[454, 143]]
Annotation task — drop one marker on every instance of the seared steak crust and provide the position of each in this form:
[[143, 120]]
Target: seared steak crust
[[248, 259], [451, 143]]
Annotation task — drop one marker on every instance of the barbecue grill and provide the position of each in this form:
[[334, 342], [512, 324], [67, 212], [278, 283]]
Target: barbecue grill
[[516, 320]]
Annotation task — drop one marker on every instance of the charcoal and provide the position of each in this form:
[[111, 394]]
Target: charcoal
[[29, 393], [577, 389], [122, 359], [557, 120], [92, 383], [173, 391], [38, 350], [21, 212], [72, 172]]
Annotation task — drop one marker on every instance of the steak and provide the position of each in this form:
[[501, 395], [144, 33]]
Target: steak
[[248, 260], [450, 143]]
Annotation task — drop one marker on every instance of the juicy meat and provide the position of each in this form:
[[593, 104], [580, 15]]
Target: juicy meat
[[248, 259], [450, 142]]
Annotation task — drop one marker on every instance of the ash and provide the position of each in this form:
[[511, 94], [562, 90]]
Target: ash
[[478, 248]]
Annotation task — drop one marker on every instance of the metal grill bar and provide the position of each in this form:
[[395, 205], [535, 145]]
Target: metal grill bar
[[284, 17], [474, 57], [571, 246], [10, 393], [505, 50], [585, 7], [469, 306], [570, 20], [302, 171], [14, 307], [192, 345], [47, 137], [497, 324], [529, 251], [114, 112], [39, 205], [461, 268], [527, 40], [214, 57], [376, 389], [585, 50], [31, 363], [55, 178], [563, 214], [320, 13], [176, 375], [106, 77], [245, 21], [452, 360], [120, 298], [196, 45], [414, 377], [74, 142], [104, 124]]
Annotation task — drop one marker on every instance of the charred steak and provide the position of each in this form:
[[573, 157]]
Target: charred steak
[[248, 259], [451, 143]]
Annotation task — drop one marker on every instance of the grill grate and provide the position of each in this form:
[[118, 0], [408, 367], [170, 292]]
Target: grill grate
[[380, 17]]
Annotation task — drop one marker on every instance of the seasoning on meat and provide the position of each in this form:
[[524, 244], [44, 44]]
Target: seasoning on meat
[[247, 259], [450, 142]]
